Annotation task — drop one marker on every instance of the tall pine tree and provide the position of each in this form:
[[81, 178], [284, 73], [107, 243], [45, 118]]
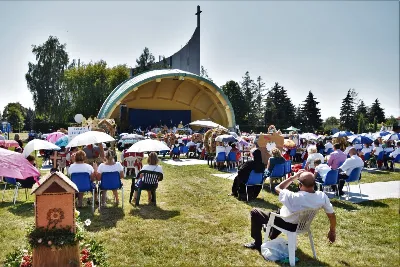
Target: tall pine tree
[[248, 90], [311, 114], [279, 108], [376, 111], [347, 113], [259, 109]]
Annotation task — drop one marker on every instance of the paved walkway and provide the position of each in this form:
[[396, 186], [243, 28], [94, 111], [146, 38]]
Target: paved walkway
[[369, 191], [184, 162]]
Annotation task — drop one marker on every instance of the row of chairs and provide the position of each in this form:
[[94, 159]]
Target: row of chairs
[[230, 159], [332, 179], [278, 172]]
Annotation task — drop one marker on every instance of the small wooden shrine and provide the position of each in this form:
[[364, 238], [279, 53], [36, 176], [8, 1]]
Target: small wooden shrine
[[55, 209]]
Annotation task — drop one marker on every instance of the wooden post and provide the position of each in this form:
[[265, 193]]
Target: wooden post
[[55, 158]]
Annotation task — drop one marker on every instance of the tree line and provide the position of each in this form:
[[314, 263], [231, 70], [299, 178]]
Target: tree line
[[62, 88]]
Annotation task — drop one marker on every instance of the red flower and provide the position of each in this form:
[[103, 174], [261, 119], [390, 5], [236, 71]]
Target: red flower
[[85, 251], [26, 258], [88, 264], [84, 258]]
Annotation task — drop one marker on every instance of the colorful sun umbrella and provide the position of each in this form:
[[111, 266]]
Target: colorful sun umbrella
[[342, 134], [9, 143], [53, 137], [15, 165], [63, 141]]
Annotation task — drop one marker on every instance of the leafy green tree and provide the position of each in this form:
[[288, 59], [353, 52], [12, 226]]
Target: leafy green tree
[[347, 113], [232, 90], [330, 123], [282, 113], [376, 112], [299, 120], [44, 79], [391, 121], [88, 85], [145, 62], [375, 124], [15, 118], [311, 114]]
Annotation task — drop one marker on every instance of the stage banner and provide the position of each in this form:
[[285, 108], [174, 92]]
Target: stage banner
[[74, 131]]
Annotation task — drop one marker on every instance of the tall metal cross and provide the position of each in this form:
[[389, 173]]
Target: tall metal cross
[[198, 16]]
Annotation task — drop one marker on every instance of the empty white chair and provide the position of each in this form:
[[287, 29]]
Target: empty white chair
[[130, 164], [303, 226]]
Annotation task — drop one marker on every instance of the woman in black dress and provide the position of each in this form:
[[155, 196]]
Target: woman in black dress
[[239, 183]]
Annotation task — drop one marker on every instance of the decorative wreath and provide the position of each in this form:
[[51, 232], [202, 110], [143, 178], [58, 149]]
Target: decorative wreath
[[54, 216]]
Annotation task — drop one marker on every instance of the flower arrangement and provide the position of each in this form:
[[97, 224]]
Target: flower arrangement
[[92, 253]]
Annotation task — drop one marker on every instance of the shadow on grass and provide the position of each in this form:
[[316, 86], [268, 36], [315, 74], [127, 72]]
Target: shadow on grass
[[154, 212], [306, 260], [107, 218], [23, 209], [342, 204], [373, 203]]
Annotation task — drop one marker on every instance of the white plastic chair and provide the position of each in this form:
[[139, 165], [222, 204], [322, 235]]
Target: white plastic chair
[[130, 162], [303, 226]]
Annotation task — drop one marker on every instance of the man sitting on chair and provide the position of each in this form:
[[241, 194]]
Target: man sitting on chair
[[292, 202], [348, 166]]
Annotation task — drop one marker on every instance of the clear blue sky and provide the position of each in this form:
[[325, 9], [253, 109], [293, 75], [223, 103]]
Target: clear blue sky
[[323, 46]]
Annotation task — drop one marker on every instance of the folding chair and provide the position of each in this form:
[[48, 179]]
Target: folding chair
[[110, 181], [305, 218], [367, 156], [255, 179], [176, 152], [288, 167], [221, 157], [331, 179], [231, 159], [278, 172], [11, 182], [150, 181], [130, 164], [84, 184], [354, 177], [292, 153]]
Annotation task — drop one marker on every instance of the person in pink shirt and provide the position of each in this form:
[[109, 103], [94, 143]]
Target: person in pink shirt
[[337, 157]]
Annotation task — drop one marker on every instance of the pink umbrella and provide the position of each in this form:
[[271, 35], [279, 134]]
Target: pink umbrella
[[9, 143], [53, 137], [15, 165]]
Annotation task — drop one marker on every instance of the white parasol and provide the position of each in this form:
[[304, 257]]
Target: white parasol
[[90, 138], [148, 145], [37, 144]]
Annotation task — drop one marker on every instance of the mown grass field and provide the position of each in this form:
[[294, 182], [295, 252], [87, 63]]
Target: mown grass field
[[196, 223]]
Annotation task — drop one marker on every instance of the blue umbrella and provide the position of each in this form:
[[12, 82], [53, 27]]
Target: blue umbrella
[[63, 141], [342, 134], [360, 140], [394, 136]]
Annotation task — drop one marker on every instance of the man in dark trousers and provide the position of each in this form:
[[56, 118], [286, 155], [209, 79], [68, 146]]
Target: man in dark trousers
[[305, 198]]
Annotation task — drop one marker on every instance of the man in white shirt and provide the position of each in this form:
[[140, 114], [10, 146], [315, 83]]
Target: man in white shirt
[[292, 202], [328, 145], [348, 166]]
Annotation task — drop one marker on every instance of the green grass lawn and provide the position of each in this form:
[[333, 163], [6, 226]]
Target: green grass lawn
[[196, 223]]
